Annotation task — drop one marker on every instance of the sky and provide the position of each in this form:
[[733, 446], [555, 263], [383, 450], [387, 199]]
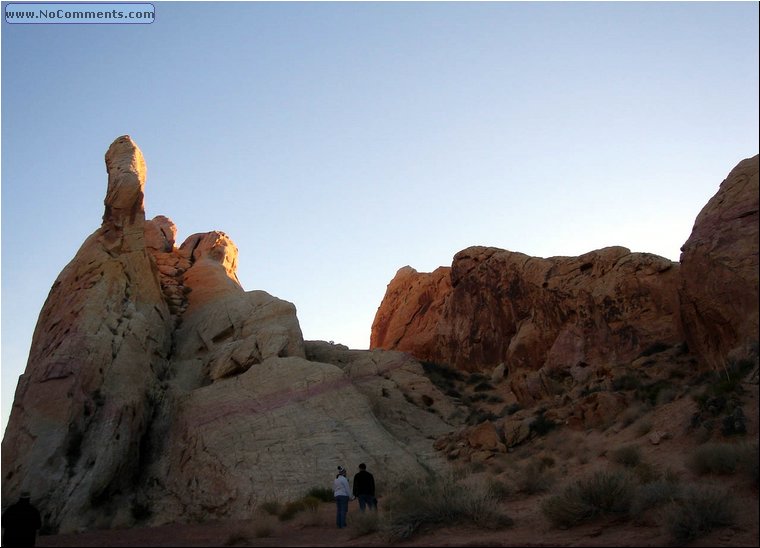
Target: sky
[[338, 142]]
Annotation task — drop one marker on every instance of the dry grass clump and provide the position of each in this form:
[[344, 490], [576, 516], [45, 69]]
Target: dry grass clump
[[536, 476], [714, 458], [364, 523], [699, 511], [440, 500], [654, 494], [271, 507], [627, 455], [601, 493]]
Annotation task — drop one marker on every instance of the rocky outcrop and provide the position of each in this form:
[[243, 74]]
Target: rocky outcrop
[[157, 389], [559, 314], [544, 321], [719, 266], [101, 345]]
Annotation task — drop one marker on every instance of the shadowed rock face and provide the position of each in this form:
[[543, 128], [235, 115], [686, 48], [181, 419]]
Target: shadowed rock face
[[719, 281], [156, 382], [563, 315]]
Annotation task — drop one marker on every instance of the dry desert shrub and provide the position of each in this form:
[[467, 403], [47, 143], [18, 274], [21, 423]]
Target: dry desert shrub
[[654, 494], [626, 455], [364, 523], [603, 492], [699, 511], [535, 476], [440, 500], [271, 507], [714, 458]]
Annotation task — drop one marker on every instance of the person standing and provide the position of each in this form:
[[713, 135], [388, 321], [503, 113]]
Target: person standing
[[342, 492], [20, 522], [364, 488]]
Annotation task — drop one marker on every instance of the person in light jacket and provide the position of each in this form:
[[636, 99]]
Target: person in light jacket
[[342, 493]]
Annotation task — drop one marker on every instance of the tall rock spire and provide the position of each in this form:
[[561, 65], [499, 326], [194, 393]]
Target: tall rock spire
[[101, 343]]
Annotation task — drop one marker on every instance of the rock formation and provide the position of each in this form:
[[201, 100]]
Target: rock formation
[[158, 389], [99, 349], [719, 271], [575, 317]]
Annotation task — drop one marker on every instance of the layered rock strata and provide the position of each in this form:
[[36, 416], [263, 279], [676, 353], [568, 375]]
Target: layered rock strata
[[158, 390]]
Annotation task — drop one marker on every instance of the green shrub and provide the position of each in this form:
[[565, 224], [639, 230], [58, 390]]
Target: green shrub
[[271, 507], [653, 494], [714, 458], [654, 348], [601, 493], [236, 539], [475, 378], [325, 494], [510, 409], [440, 500], [748, 462], [364, 523], [627, 455], [310, 502], [535, 478], [291, 509], [651, 393], [500, 490], [482, 386], [541, 425], [140, 511], [628, 381], [698, 512]]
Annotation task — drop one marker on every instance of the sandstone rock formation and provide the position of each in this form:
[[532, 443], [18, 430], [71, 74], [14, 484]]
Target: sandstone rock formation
[[562, 315], [158, 389], [719, 271], [569, 319], [101, 345]]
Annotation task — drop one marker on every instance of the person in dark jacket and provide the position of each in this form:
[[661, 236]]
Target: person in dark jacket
[[21, 521], [364, 488]]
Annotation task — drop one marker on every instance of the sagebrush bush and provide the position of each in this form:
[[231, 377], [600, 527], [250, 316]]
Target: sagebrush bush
[[271, 507], [291, 509], [364, 523], [748, 462], [601, 493], [535, 477], [714, 458], [325, 494], [653, 494], [437, 500], [699, 511], [627, 455], [500, 490]]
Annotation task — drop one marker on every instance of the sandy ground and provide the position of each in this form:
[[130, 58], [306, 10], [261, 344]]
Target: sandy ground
[[318, 529]]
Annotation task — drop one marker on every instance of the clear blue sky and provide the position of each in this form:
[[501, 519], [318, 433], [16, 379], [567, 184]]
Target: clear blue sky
[[338, 142]]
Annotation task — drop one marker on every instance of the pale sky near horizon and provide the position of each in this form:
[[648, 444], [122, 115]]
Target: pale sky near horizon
[[338, 142]]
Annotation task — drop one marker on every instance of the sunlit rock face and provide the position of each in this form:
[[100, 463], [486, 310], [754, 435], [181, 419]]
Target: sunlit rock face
[[101, 345], [719, 265], [158, 390], [545, 320], [537, 316]]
